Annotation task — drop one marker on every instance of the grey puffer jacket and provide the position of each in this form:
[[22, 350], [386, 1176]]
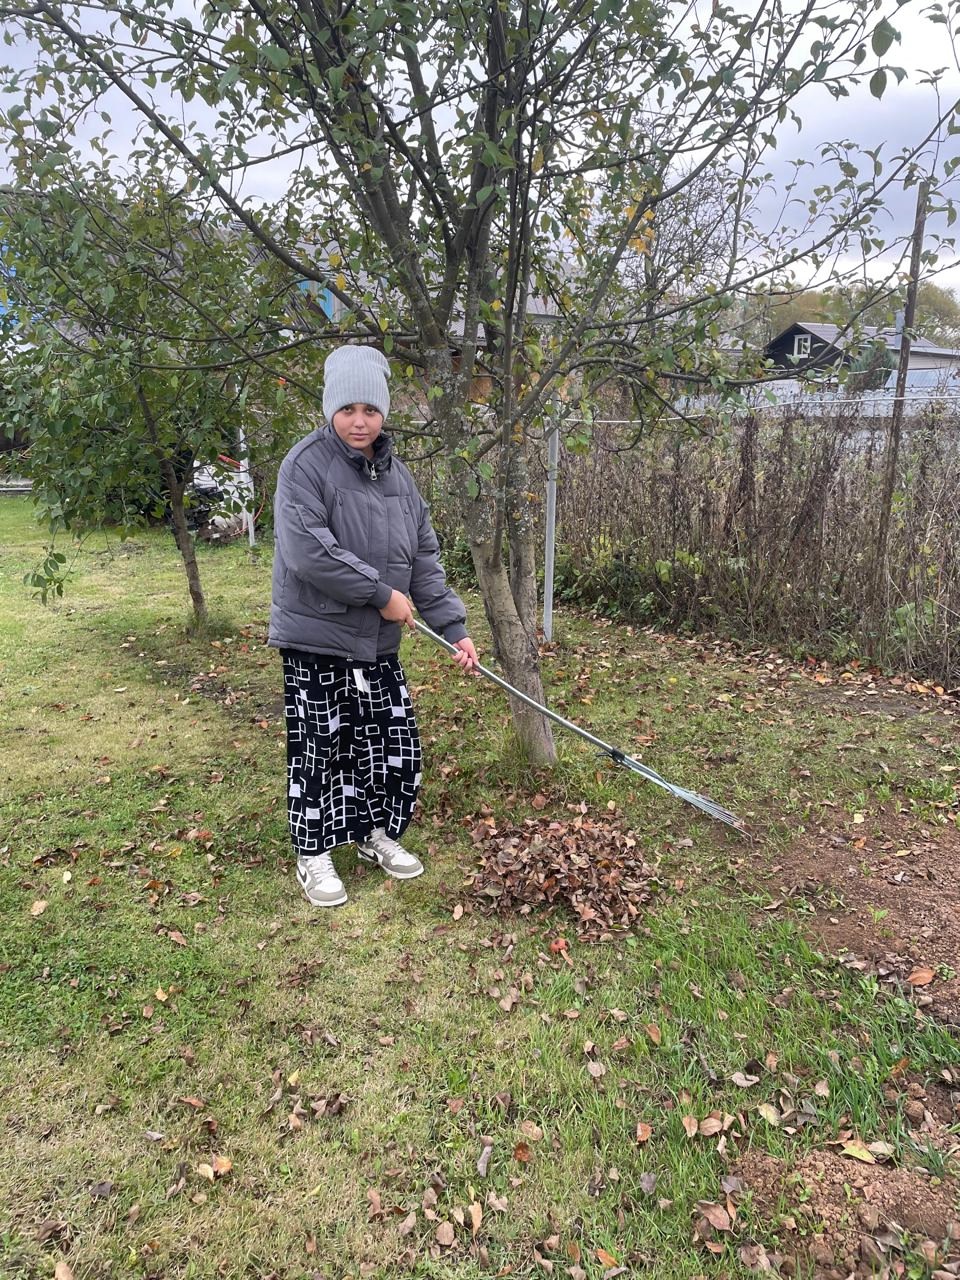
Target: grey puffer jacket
[[348, 532]]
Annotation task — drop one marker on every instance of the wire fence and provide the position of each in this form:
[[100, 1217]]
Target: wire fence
[[764, 527]]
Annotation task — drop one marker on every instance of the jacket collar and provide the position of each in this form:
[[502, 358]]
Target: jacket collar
[[382, 452]]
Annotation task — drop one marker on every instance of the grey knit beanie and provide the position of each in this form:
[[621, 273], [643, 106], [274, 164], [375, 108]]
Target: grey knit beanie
[[355, 375]]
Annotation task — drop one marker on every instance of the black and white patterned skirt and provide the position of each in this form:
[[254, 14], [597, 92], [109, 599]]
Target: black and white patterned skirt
[[353, 750]]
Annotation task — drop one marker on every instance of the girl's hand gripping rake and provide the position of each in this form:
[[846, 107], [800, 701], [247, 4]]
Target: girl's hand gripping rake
[[706, 806]]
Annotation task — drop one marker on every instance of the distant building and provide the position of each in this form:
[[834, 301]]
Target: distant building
[[817, 349]]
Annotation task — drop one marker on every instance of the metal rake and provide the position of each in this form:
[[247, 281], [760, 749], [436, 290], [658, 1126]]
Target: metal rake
[[705, 805]]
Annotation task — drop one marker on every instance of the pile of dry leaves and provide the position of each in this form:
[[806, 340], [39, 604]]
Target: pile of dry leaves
[[588, 865]]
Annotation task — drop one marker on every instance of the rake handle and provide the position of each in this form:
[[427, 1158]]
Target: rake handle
[[710, 807], [516, 693]]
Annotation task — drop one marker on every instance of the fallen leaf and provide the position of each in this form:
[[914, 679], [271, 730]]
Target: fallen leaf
[[539, 801], [743, 1081], [39, 907], [458, 911], [716, 1215], [50, 1229], [755, 1257], [653, 1031], [644, 1131], [596, 1069], [531, 1130], [176, 936], [483, 1163], [858, 1152], [101, 1190], [882, 1150], [690, 1124], [709, 1127], [408, 1224], [476, 1216], [769, 1113], [607, 1259], [62, 1271], [206, 1171], [921, 976], [445, 1234], [521, 1152]]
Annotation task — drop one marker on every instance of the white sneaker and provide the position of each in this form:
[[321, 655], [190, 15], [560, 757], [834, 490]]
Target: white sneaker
[[392, 857], [319, 881]]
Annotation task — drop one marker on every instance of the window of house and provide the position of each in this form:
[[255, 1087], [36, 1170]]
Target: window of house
[[801, 344]]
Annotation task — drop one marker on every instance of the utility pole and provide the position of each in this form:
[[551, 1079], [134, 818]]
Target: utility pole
[[896, 420]]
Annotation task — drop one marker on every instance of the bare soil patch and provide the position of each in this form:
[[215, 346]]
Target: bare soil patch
[[844, 1219], [887, 901]]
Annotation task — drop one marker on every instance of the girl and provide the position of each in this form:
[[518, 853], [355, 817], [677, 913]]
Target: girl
[[353, 538]]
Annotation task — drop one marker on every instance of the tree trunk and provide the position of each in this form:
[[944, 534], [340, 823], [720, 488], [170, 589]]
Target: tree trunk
[[185, 543], [512, 617], [522, 533], [523, 575], [516, 649]]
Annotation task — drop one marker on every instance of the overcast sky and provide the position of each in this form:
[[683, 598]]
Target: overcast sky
[[905, 114], [900, 119]]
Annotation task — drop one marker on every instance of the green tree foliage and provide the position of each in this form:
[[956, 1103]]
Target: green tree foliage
[[458, 170], [135, 355], [773, 312], [938, 309]]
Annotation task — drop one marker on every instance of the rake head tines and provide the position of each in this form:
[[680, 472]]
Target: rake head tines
[[703, 803]]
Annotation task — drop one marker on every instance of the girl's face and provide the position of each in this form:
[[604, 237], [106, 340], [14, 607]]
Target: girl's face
[[358, 425]]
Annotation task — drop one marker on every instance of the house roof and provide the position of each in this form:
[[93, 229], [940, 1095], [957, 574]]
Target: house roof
[[843, 337]]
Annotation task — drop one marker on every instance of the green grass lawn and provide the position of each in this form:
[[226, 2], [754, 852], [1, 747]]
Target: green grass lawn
[[202, 1076]]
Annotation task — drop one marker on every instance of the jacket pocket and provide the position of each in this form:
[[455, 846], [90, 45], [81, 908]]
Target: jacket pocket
[[402, 531], [316, 601]]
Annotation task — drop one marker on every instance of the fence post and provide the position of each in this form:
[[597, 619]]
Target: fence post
[[896, 418], [245, 477], [549, 557]]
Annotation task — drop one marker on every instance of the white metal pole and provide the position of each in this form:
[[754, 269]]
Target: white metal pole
[[246, 480], [553, 457]]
